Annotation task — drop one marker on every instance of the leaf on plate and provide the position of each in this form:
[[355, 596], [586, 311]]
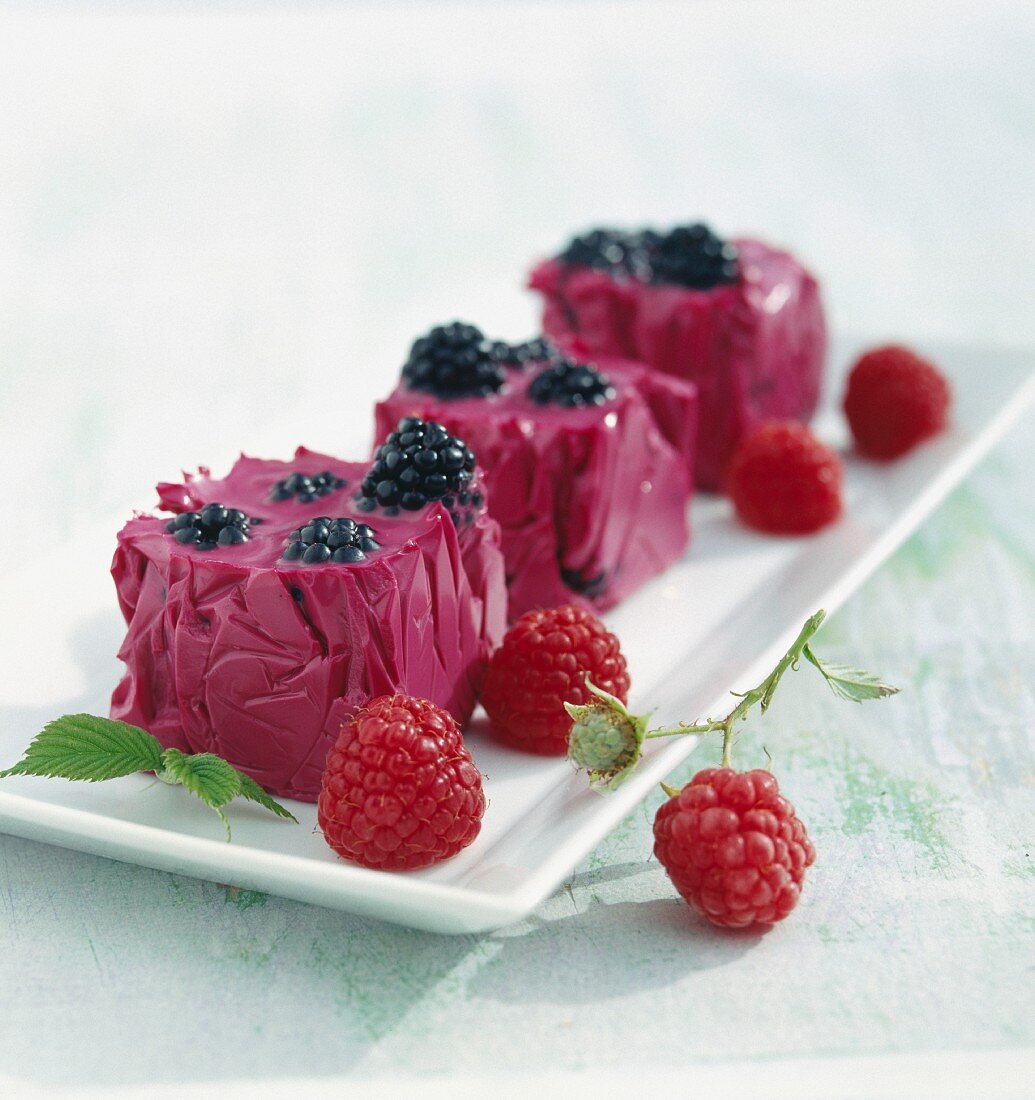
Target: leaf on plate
[[85, 747], [205, 775], [254, 793], [852, 684]]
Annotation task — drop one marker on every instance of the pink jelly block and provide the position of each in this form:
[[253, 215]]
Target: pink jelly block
[[754, 348], [592, 501], [236, 651]]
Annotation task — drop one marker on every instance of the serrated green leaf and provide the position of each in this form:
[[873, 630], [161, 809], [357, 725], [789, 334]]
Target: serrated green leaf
[[208, 776], [85, 747], [852, 684], [204, 774], [254, 793]]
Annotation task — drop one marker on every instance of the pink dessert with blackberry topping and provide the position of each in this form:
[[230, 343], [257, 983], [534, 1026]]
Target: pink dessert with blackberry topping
[[281, 598], [587, 465], [741, 319]]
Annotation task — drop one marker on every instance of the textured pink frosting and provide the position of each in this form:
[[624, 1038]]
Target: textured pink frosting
[[600, 493], [236, 651], [754, 347]]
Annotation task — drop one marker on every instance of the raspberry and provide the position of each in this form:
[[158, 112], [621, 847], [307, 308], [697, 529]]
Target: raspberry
[[541, 665], [733, 847], [399, 788], [784, 481], [894, 401]]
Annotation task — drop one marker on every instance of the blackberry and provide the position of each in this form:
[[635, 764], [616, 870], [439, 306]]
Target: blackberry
[[324, 539], [417, 463], [573, 385], [215, 525], [608, 249], [689, 255], [305, 488], [693, 256], [520, 355], [641, 248], [453, 360]]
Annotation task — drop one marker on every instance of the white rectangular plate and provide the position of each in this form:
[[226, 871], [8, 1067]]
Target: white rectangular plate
[[690, 636]]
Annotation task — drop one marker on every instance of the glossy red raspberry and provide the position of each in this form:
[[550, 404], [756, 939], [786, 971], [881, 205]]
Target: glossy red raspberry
[[784, 481], [894, 401], [399, 788], [542, 665], [733, 847]]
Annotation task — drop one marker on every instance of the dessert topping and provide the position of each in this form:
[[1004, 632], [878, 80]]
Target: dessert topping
[[688, 255], [323, 539], [454, 360], [214, 525], [419, 462], [573, 385], [612, 250], [305, 488], [520, 355], [693, 256]]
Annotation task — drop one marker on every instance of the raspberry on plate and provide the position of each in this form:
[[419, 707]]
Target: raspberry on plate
[[400, 790], [541, 665], [895, 400], [733, 847], [784, 481]]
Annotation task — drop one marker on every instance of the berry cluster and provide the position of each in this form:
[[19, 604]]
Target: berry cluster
[[454, 360], [305, 488], [785, 481], [573, 385], [418, 463], [689, 255], [693, 256], [734, 847], [614, 251], [895, 400], [215, 525], [324, 539], [400, 790], [518, 356], [542, 664]]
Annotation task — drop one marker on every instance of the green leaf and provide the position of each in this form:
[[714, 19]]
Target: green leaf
[[204, 774], [852, 684], [85, 747], [254, 793]]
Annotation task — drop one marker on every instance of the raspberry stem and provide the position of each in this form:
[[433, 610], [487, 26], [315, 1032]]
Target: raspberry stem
[[594, 746], [762, 694]]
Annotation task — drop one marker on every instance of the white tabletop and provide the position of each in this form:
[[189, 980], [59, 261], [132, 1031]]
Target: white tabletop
[[220, 226]]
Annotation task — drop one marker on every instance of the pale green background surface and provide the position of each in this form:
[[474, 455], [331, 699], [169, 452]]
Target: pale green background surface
[[239, 219]]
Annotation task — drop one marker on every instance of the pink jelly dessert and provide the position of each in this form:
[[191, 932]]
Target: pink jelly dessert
[[275, 603], [741, 319], [587, 467]]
